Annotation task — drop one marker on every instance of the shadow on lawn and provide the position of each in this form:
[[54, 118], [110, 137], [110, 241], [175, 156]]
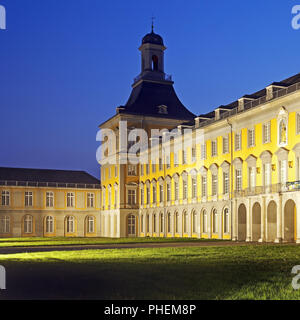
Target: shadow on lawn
[[132, 280]]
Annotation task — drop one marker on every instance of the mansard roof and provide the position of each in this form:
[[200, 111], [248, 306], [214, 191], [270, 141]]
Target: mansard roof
[[147, 96], [46, 175]]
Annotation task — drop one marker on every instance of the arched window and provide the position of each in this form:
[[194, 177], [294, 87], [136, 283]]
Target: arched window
[[215, 221], [185, 221], [90, 224], [5, 224], [49, 224], [169, 222], [194, 221], [204, 221], [176, 222], [28, 224], [147, 223], [161, 223], [70, 224], [154, 63], [226, 220], [142, 223]]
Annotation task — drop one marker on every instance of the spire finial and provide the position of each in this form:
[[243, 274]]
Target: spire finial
[[152, 25]]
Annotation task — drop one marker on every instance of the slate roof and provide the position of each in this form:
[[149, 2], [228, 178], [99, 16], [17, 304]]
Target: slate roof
[[47, 175], [147, 96]]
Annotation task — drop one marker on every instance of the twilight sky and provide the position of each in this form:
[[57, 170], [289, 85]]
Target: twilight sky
[[67, 64]]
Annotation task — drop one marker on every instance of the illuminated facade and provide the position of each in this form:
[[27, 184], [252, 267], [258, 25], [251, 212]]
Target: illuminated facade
[[241, 182]]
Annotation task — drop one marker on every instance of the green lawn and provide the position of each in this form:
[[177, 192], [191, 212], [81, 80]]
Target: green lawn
[[229, 272], [62, 241]]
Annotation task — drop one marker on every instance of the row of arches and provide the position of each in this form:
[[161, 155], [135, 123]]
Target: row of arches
[[49, 225], [185, 223], [272, 231]]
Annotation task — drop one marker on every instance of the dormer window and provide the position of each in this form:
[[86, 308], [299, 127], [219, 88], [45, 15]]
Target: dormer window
[[163, 109]]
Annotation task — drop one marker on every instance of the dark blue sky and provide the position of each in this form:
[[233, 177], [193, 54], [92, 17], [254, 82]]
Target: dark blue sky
[[67, 64]]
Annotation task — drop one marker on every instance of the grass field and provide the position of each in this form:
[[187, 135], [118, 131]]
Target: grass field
[[62, 241], [230, 272]]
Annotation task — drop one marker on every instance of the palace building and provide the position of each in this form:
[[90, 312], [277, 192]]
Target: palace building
[[241, 182], [48, 203]]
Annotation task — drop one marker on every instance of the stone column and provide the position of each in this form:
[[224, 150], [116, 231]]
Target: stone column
[[263, 221], [248, 221], [279, 222], [233, 214]]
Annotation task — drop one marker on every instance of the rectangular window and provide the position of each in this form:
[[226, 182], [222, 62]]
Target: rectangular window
[[147, 168], [142, 196], [168, 192], [148, 195], [49, 199], [298, 123], [161, 193], [160, 164], [5, 198], [267, 132], [251, 178], [184, 160], [176, 190], [194, 188], [267, 174], [214, 148], [168, 162], [238, 180], [203, 152], [131, 197], [225, 144], [176, 161], [28, 199], [251, 138], [238, 141], [90, 200], [184, 189], [214, 185], [70, 199], [142, 169], [194, 155], [154, 194], [225, 182], [131, 170], [203, 184]]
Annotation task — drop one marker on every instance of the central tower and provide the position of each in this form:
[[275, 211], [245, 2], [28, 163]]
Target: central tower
[[152, 54]]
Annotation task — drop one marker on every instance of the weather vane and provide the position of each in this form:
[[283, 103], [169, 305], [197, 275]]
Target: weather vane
[[152, 26]]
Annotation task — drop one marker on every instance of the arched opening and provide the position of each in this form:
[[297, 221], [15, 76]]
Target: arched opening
[[89, 224], [289, 221], [272, 221], [154, 63], [256, 222], [204, 221], [185, 222], [215, 225], [242, 223], [169, 222], [131, 225], [194, 222]]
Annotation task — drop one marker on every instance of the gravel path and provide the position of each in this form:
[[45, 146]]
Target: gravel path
[[12, 250]]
